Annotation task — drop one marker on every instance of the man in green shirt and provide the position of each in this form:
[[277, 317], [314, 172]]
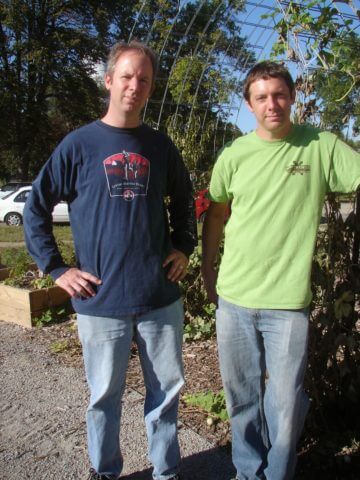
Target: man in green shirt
[[276, 179]]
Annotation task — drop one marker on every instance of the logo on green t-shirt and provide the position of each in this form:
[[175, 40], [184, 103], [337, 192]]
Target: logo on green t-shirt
[[298, 167]]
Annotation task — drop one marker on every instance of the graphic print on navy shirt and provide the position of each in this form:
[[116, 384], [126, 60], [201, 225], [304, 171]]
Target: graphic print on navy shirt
[[127, 175]]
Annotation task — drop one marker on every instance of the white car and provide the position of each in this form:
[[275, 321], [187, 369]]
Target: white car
[[12, 207], [12, 187]]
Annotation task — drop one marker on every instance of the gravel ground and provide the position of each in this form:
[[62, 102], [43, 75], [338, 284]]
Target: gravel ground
[[42, 410], [42, 406]]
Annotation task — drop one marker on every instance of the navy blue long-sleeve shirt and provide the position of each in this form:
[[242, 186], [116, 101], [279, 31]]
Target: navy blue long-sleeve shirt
[[115, 181]]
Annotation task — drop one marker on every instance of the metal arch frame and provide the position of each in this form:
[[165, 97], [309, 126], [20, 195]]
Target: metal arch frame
[[234, 94], [212, 17], [176, 57], [235, 100]]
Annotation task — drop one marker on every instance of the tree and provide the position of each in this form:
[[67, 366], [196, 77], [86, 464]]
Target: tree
[[49, 51], [340, 90], [318, 37]]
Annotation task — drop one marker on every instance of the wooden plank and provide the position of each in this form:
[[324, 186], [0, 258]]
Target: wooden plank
[[20, 306], [47, 298], [13, 315], [15, 305], [17, 297], [4, 273]]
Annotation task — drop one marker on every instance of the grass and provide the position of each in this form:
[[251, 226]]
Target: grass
[[16, 234], [11, 234], [10, 255]]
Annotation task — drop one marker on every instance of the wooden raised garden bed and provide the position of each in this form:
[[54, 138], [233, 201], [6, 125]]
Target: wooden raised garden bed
[[21, 306]]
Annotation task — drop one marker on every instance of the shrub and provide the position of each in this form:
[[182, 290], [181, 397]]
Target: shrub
[[199, 321]]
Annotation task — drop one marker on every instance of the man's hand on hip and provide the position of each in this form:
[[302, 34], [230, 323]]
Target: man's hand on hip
[[179, 263], [78, 283]]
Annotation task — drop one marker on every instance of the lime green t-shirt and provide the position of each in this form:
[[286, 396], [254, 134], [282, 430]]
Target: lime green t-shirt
[[277, 190]]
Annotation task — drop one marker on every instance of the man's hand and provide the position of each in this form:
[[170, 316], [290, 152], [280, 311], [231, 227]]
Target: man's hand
[[179, 263], [209, 277], [78, 283]]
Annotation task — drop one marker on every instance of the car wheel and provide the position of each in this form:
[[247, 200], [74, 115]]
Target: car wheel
[[13, 219]]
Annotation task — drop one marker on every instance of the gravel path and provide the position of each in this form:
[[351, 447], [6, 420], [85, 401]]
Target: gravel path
[[42, 411]]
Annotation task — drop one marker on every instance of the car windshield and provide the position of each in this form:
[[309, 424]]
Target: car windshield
[[7, 195]]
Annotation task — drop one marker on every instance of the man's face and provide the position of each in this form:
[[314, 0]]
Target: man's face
[[130, 85], [270, 101]]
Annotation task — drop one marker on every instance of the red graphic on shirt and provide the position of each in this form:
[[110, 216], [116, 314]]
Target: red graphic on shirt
[[127, 175]]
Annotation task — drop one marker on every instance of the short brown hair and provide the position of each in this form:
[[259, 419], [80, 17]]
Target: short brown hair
[[265, 70], [122, 47]]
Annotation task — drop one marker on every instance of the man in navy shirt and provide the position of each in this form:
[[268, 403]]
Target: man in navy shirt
[[115, 174]]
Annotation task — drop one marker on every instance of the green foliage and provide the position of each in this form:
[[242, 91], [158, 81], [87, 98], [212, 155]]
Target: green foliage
[[196, 141], [321, 25], [62, 233], [49, 59], [340, 92], [43, 282], [16, 256], [20, 267], [49, 54], [334, 361], [210, 402], [67, 253], [59, 346], [200, 327], [23, 274], [183, 80], [191, 139], [199, 314], [331, 93], [201, 52], [184, 83], [52, 315]]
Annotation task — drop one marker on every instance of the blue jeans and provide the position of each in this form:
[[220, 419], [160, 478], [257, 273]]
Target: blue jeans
[[266, 415], [106, 346]]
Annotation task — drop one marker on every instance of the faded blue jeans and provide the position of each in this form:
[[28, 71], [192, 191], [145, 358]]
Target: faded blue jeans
[[106, 346], [266, 420]]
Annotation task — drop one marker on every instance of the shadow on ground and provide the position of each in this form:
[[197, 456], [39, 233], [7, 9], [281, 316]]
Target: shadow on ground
[[213, 464], [320, 465]]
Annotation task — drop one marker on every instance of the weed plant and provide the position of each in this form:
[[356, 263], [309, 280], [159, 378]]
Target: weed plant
[[210, 402], [53, 315]]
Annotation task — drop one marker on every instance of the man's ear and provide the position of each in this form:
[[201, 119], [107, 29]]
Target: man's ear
[[107, 81], [248, 104]]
